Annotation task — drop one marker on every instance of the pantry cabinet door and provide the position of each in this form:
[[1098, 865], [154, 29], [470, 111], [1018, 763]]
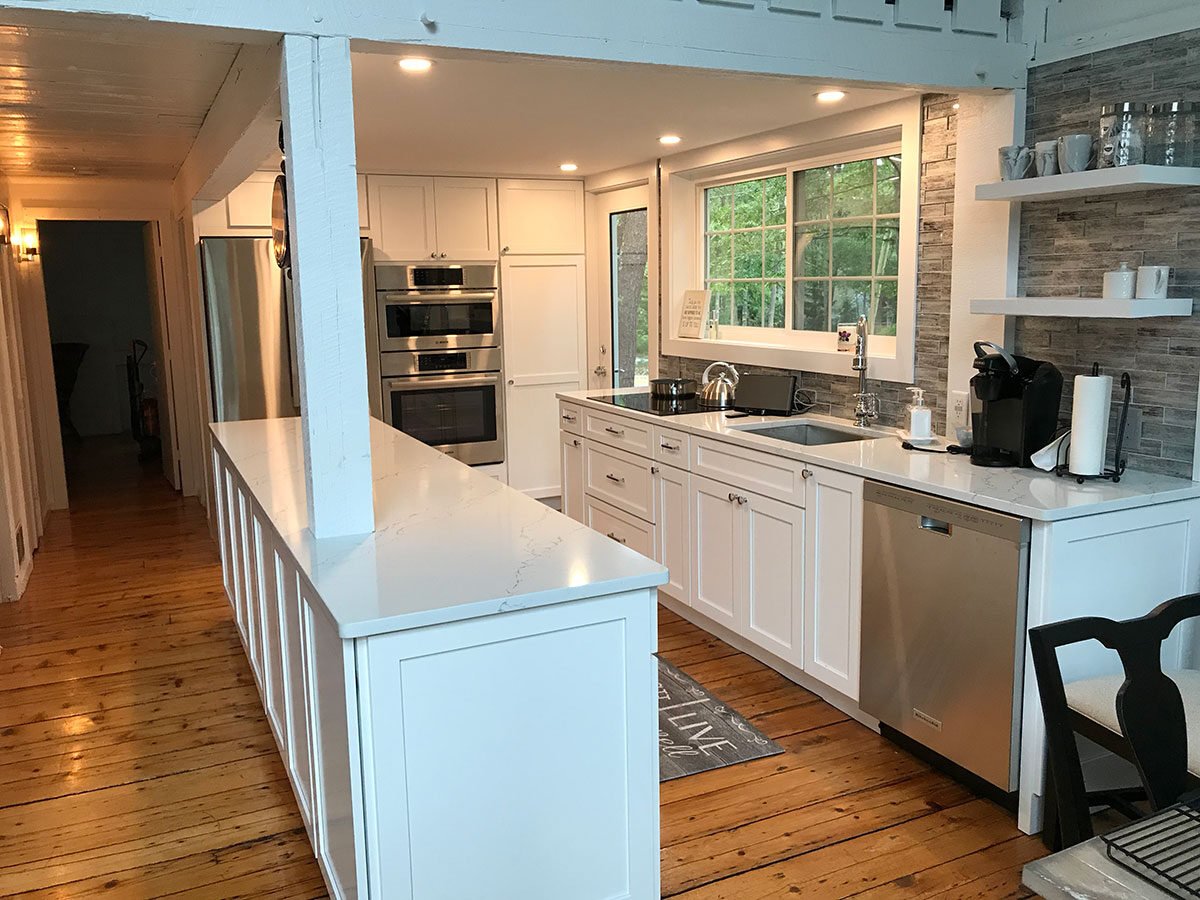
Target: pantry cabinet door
[[774, 580], [717, 542], [466, 219], [403, 221], [833, 586], [571, 456], [541, 216], [673, 531]]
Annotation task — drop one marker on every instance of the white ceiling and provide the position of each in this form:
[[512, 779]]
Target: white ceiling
[[513, 115], [96, 100]]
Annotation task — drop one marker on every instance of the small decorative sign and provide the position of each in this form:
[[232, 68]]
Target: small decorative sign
[[845, 336], [694, 313]]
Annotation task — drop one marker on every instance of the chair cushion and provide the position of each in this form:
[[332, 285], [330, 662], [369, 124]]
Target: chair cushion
[[1096, 698]]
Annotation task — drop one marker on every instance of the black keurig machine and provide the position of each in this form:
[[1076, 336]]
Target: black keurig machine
[[1014, 406]]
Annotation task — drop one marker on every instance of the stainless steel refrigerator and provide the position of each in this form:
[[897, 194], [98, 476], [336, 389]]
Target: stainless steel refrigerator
[[253, 367]]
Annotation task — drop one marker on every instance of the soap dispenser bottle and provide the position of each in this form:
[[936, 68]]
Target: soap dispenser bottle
[[920, 417]]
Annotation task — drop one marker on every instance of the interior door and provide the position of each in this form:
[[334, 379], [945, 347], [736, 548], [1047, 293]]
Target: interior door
[[155, 286], [619, 338]]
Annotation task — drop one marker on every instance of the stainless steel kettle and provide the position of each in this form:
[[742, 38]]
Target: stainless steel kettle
[[717, 390]]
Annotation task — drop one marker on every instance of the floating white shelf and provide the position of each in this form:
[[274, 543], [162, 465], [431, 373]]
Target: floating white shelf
[[1117, 180], [1082, 307]]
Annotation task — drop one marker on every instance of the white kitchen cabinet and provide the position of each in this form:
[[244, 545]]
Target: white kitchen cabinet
[[617, 525], [717, 542], [833, 587], [673, 528], [773, 581], [541, 216], [295, 671], [364, 205], [542, 306], [416, 217], [571, 459]]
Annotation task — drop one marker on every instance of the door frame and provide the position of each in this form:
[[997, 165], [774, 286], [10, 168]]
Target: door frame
[[605, 194], [171, 314]]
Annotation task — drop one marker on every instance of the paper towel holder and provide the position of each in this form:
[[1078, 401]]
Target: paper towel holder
[[1118, 468]]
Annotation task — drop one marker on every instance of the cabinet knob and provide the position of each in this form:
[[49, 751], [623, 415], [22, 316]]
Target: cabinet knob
[[575, 442], [433, 255], [514, 381], [504, 249], [442, 255], [806, 474], [732, 496], [654, 470]]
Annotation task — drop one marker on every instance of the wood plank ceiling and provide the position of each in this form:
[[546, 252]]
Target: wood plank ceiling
[[119, 101]]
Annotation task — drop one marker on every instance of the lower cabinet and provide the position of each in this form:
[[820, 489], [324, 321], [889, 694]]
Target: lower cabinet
[[673, 528], [833, 587], [619, 525], [717, 538], [571, 463]]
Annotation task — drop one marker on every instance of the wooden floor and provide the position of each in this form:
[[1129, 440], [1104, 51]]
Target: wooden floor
[[135, 760]]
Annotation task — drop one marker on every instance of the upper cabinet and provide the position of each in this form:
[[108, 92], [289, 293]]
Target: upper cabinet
[[541, 217], [416, 217]]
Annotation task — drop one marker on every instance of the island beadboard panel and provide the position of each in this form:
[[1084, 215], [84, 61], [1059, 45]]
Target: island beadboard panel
[[1067, 245], [835, 393]]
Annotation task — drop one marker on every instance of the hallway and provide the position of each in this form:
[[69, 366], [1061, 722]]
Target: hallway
[[135, 760]]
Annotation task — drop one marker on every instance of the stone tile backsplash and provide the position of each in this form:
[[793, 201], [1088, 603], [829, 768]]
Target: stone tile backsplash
[[1067, 245], [835, 393]]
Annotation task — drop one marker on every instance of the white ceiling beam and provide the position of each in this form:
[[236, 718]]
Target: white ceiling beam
[[318, 119], [752, 37], [241, 128]]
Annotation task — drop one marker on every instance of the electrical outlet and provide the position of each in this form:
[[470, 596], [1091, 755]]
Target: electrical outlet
[[960, 410]]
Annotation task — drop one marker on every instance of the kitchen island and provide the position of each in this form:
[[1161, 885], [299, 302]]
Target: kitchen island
[[464, 699], [768, 547]]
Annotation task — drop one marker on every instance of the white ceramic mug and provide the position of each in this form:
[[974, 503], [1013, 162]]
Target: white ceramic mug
[[1045, 157], [1076, 152], [1120, 283], [1152, 282]]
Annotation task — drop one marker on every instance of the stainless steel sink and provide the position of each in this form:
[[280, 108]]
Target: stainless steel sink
[[809, 434]]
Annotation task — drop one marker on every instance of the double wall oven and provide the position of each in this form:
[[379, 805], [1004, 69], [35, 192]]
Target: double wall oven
[[440, 357]]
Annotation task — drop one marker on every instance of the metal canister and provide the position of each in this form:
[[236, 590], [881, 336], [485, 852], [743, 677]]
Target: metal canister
[[1122, 135], [1170, 134]]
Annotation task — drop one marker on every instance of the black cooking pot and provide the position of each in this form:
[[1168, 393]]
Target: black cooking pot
[[672, 388]]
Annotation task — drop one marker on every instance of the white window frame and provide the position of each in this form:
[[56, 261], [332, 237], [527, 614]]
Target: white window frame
[[877, 131]]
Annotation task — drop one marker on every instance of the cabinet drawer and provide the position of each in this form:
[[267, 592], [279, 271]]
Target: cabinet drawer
[[621, 527], [628, 434], [620, 478], [672, 447], [570, 418], [773, 476]]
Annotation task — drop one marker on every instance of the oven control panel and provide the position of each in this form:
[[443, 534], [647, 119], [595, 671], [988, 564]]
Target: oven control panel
[[441, 362]]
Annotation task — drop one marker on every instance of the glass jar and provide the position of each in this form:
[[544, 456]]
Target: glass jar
[[1122, 135], [1170, 135]]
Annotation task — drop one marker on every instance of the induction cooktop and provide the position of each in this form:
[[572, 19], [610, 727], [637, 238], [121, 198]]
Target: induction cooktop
[[656, 406]]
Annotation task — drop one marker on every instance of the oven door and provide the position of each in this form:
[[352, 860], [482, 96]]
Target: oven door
[[461, 415], [431, 320]]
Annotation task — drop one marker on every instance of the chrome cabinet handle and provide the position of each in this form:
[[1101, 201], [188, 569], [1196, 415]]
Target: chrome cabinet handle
[[654, 470], [614, 479], [671, 448], [619, 540], [619, 432], [567, 417], [806, 474], [743, 500], [575, 442]]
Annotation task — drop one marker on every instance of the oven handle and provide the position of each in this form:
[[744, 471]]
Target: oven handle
[[419, 298], [423, 382]]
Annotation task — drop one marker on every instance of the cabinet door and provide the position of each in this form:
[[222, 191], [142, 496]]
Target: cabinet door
[[673, 534], [401, 210], [466, 218], [542, 303], [773, 553], [717, 542], [571, 459], [296, 699], [364, 212], [541, 216], [833, 586]]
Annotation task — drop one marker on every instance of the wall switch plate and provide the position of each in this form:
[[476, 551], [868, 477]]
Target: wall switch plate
[[960, 410]]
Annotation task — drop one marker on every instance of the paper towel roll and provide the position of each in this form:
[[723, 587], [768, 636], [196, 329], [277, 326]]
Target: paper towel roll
[[1089, 424]]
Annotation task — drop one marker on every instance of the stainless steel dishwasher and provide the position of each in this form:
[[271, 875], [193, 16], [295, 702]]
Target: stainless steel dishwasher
[[943, 624]]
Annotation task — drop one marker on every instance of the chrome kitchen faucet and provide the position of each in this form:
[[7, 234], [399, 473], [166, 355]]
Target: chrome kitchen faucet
[[866, 405]]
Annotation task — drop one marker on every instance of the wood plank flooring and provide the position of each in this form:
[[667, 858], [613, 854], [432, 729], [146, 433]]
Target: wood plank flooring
[[135, 760]]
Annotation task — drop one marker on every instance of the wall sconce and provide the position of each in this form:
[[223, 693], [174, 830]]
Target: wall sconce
[[5, 226], [27, 249]]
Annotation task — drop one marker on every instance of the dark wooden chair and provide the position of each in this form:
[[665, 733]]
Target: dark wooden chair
[[1144, 715]]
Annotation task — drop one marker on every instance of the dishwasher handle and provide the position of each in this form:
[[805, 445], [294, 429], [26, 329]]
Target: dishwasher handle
[[936, 526]]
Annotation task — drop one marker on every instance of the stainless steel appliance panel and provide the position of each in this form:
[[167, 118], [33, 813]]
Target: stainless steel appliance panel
[[943, 621], [435, 307], [460, 414], [252, 364], [436, 277]]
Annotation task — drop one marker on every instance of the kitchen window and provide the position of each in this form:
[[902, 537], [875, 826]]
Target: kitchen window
[[845, 222]]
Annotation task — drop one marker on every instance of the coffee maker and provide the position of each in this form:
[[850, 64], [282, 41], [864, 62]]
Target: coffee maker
[[1014, 406]]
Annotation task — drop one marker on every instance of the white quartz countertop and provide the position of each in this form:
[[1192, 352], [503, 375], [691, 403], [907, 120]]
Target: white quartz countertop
[[1030, 493], [450, 543]]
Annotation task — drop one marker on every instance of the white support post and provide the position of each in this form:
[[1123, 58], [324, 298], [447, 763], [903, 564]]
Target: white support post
[[318, 117]]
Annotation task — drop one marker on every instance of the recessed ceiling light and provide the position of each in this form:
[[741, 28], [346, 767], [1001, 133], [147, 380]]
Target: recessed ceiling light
[[568, 167], [831, 96], [415, 65], [670, 139]]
